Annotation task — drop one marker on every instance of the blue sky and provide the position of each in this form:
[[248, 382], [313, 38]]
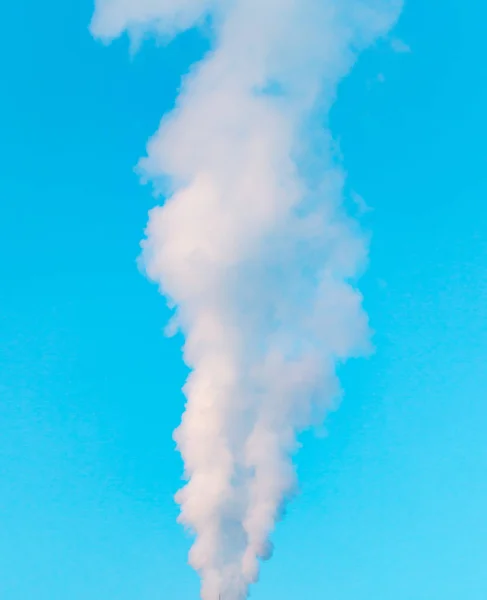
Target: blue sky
[[392, 501]]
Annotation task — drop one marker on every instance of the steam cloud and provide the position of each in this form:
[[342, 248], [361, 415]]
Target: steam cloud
[[254, 250]]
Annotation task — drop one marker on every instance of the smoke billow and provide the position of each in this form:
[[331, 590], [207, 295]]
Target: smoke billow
[[254, 250]]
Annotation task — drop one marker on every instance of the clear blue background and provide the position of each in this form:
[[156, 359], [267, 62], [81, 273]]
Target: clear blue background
[[393, 501]]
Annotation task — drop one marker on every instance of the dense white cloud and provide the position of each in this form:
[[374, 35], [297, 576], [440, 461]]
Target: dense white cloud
[[253, 249], [112, 17]]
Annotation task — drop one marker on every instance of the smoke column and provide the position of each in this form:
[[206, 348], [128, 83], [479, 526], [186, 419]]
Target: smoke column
[[254, 251]]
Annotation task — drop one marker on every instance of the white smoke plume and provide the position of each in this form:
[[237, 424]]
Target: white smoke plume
[[253, 249]]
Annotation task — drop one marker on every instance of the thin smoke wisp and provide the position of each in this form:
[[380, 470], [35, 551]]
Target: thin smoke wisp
[[254, 250]]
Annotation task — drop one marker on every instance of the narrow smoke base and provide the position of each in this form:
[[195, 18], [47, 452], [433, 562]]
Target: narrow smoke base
[[253, 249]]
